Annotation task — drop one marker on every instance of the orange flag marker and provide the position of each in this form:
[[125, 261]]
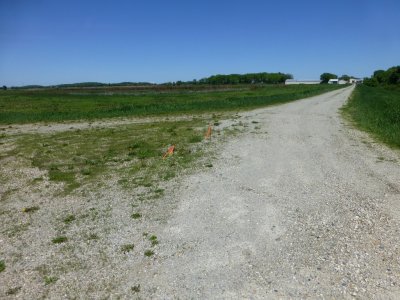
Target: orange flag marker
[[208, 133], [169, 152]]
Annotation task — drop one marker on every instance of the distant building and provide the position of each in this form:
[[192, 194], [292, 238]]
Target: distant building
[[292, 81], [355, 80], [333, 81]]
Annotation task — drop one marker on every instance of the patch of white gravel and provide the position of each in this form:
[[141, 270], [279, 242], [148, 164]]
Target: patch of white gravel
[[298, 205]]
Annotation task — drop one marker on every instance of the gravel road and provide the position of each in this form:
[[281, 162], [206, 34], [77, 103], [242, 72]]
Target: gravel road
[[307, 207]]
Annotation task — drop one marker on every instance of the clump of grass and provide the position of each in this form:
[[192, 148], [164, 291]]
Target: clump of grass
[[59, 239], [136, 215], [2, 265], [68, 219], [50, 279], [209, 165], [127, 248], [153, 239], [136, 288], [254, 122], [149, 253], [30, 209]]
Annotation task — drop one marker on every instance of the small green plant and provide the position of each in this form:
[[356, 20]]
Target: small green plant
[[209, 165], [68, 219], [153, 239], [127, 248], [59, 239], [136, 215], [149, 253], [136, 288], [30, 209], [254, 122], [50, 279], [2, 265]]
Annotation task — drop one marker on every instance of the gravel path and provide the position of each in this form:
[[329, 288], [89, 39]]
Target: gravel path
[[307, 208]]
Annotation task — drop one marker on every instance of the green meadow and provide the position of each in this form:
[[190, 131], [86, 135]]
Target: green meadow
[[57, 105]]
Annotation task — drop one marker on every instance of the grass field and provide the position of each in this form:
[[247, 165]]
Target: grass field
[[377, 110], [56, 105]]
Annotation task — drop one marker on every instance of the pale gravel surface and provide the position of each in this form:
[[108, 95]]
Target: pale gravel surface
[[298, 205], [308, 210]]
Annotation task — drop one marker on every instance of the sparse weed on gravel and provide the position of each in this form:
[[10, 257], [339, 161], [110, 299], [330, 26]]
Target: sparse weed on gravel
[[68, 219], [59, 240], [2, 265], [127, 248], [149, 253], [50, 279], [136, 216], [30, 209]]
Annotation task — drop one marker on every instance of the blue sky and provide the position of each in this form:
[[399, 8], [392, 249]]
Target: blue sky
[[50, 42]]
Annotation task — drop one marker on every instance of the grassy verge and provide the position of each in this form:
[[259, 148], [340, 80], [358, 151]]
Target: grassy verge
[[53, 105], [133, 153], [376, 110]]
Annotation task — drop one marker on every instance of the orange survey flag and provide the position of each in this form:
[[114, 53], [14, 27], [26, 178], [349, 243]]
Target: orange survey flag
[[170, 151], [208, 133]]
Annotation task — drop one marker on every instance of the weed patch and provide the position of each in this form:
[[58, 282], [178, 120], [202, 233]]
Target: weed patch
[[59, 240], [127, 248], [30, 209], [136, 216]]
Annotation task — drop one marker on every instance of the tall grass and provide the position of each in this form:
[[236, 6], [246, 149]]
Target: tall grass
[[54, 105], [377, 110]]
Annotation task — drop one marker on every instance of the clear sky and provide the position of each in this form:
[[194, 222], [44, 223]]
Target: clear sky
[[53, 41]]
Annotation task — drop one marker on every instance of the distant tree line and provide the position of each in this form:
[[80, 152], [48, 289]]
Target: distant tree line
[[232, 79], [381, 77], [83, 85], [249, 78]]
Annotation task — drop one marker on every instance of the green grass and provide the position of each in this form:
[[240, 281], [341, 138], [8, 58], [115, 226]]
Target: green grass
[[59, 239], [149, 253], [68, 219], [377, 110], [50, 279], [2, 265], [133, 152], [26, 106], [136, 216]]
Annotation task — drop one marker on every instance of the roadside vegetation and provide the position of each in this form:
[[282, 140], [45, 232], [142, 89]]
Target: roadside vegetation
[[57, 105], [375, 106]]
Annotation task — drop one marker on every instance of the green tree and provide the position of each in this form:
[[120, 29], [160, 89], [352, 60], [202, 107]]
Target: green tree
[[326, 76], [345, 77]]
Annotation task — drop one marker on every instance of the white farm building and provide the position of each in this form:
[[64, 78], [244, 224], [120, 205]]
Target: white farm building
[[292, 81]]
